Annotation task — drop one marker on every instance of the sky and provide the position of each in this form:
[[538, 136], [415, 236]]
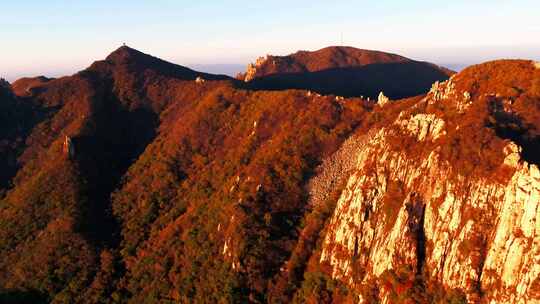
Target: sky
[[57, 37]]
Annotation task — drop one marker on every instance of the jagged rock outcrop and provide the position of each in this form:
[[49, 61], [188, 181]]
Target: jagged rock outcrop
[[382, 100], [422, 126], [364, 227], [441, 90], [251, 71], [410, 211], [69, 148]]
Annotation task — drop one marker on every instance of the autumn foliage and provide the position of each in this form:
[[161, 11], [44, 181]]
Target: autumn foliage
[[182, 191]]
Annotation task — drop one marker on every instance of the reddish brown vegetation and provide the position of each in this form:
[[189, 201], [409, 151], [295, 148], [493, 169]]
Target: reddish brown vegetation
[[175, 194], [346, 71], [26, 87], [167, 171]]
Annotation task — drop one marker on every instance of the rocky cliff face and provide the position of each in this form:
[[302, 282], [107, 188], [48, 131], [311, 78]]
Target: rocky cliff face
[[419, 214], [251, 71]]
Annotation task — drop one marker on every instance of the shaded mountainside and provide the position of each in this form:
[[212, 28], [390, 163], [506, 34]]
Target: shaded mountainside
[[324, 59], [345, 71], [133, 182], [17, 118], [172, 147], [56, 220]]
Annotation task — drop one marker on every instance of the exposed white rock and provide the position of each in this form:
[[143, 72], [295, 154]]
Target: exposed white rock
[[69, 149], [226, 249], [514, 254], [435, 87], [382, 100], [513, 154], [441, 90], [252, 68], [467, 96], [390, 198], [423, 126], [199, 80], [463, 104]]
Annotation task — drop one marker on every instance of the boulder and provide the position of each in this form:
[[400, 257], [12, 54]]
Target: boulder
[[382, 100]]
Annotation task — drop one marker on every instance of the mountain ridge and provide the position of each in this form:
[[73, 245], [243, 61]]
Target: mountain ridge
[[133, 181], [345, 71]]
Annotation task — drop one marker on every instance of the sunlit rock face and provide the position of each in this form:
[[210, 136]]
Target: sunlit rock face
[[251, 71], [382, 99], [412, 211]]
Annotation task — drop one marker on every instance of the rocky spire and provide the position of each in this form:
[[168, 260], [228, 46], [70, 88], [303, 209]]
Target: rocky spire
[[252, 68], [69, 149], [382, 100], [4, 82]]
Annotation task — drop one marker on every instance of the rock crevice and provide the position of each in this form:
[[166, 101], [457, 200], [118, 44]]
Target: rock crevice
[[397, 211]]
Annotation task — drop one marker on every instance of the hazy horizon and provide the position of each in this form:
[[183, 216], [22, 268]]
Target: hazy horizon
[[56, 38], [232, 69]]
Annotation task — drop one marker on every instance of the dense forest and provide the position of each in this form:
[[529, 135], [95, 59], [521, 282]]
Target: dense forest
[[140, 181]]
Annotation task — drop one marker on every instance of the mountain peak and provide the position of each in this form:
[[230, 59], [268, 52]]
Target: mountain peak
[[137, 61], [345, 71], [126, 54]]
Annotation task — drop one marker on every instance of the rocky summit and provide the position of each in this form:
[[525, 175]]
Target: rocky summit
[[344, 71], [335, 176]]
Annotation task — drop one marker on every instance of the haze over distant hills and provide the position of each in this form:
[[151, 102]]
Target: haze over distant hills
[[230, 69]]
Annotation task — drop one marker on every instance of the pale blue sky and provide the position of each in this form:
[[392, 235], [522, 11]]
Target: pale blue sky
[[60, 37]]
